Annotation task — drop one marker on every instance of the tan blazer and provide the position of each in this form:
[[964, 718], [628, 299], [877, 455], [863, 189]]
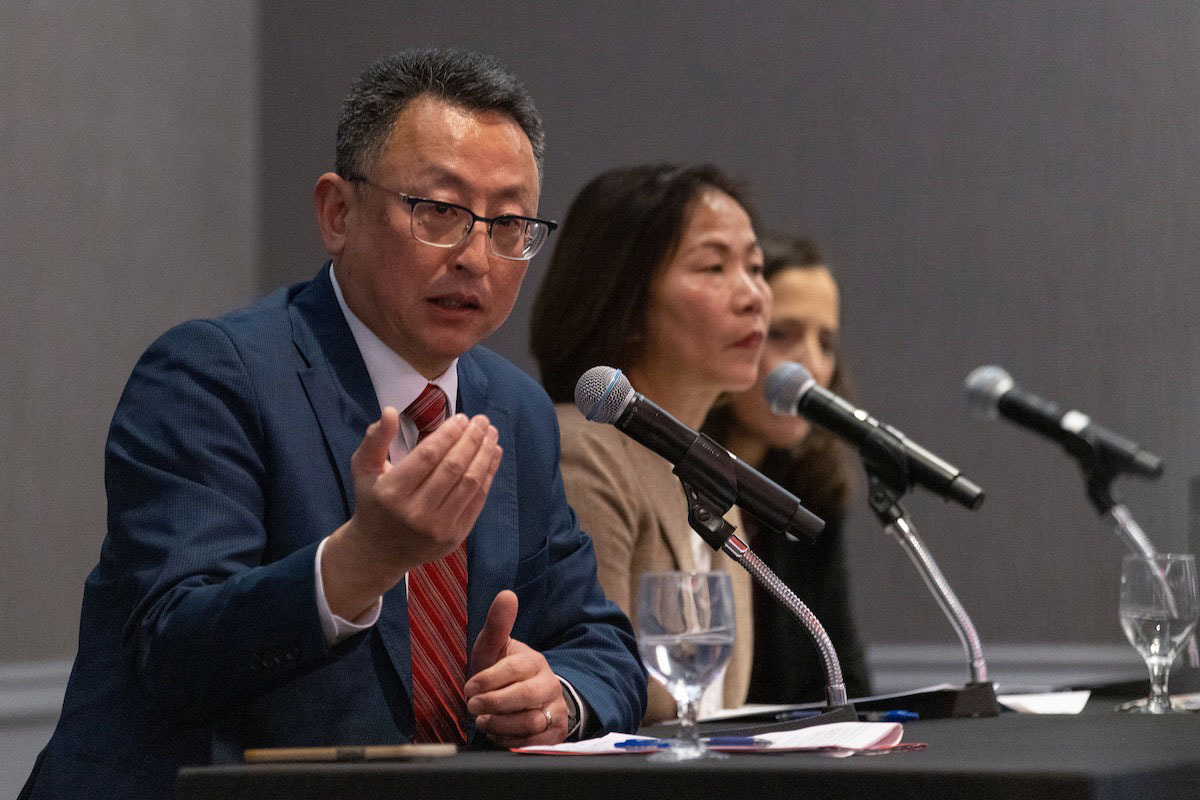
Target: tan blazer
[[631, 504]]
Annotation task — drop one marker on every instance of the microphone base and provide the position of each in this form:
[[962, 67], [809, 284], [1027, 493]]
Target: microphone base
[[755, 725], [972, 700]]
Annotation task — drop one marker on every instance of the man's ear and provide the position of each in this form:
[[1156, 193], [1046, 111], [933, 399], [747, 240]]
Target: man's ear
[[333, 197]]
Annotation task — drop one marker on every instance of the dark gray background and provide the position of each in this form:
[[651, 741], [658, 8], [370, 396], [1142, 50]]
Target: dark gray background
[[1008, 182], [129, 147]]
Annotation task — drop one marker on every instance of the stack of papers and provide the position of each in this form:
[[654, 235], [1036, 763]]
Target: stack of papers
[[836, 739]]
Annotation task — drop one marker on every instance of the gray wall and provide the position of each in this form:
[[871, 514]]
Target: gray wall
[[1010, 182], [130, 158]]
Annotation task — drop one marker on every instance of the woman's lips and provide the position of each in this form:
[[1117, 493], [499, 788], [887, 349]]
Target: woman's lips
[[750, 341]]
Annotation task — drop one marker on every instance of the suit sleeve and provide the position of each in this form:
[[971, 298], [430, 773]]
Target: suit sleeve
[[586, 639], [602, 489], [211, 619]]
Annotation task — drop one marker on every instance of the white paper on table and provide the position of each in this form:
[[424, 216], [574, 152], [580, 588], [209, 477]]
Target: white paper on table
[[603, 745], [1047, 703], [848, 735]]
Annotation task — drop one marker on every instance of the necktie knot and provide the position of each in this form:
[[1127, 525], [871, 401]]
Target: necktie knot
[[428, 411]]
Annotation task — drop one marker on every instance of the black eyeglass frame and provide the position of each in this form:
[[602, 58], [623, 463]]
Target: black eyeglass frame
[[413, 200]]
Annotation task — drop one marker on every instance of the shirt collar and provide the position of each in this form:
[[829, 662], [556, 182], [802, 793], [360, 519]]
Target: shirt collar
[[397, 383]]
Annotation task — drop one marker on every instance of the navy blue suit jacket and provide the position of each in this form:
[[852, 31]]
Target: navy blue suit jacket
[[227, 462]]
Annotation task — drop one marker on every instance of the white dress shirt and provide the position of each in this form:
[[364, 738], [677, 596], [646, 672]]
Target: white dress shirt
[[397, 384]]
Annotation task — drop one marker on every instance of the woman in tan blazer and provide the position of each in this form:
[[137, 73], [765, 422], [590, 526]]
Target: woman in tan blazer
[[657, 272]]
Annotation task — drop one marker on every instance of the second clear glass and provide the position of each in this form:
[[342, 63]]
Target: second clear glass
[[1158, 609]]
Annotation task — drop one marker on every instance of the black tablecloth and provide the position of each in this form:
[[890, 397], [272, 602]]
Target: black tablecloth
[[1093, 755]]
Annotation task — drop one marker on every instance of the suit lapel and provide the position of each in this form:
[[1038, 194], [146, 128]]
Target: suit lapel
[[336, 380], [492, 550], [343, 399]]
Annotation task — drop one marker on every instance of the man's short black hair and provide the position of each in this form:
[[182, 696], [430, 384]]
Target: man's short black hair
[[385, 89]]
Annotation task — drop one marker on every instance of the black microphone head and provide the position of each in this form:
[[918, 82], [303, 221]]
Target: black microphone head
[[786, 384], [602, 393], [985, 386]]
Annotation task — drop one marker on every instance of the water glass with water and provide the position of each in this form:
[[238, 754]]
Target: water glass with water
[[686, 627], [1158, 609]]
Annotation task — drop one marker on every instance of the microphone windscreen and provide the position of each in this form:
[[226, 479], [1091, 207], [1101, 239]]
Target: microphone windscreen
[[602, 393], [786, 384], [985, 386]]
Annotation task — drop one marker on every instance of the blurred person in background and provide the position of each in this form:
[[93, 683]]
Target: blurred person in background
[[809, 462]]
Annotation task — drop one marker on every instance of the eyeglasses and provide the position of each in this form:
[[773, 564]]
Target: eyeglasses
[[443, 224]]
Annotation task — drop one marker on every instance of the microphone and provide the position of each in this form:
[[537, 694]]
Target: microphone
[[603, 394], [791, 389], [992, 393]]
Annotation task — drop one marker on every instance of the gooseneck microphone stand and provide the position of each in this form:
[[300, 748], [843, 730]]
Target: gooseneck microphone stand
[[705, 517], [1099, 475], [896, 521], [888, 480], [710, 490]]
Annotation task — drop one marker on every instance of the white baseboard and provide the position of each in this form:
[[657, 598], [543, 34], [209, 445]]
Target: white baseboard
[[32, 692], [31, 697]]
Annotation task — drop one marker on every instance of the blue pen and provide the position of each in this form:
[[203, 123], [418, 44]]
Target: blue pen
[[889, 716], [736, 741], [784, 716], [639, 744]]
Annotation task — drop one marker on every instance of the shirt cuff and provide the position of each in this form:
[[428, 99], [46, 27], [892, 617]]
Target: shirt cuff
[[572, 698], [335, 628]]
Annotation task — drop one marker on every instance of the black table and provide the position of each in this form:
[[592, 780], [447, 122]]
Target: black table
[[1092, 755]]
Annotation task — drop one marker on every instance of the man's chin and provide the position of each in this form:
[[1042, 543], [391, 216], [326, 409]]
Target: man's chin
[[448, 348]]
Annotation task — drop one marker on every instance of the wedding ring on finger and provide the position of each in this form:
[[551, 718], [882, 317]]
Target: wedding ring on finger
[[549, 719]]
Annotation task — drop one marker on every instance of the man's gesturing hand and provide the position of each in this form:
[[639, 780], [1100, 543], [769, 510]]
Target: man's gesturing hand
[[512, 688], [409, 513]]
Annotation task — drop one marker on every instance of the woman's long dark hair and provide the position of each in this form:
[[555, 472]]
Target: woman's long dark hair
[[620, 230], [813, 469]]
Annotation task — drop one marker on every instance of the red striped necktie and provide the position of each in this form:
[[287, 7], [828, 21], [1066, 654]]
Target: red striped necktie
[[437, 618]]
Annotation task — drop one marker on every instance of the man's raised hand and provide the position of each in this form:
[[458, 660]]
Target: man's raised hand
[[408, 513]]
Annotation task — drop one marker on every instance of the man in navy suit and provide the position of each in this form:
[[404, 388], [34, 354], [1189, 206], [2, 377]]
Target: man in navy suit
[[270, 509]]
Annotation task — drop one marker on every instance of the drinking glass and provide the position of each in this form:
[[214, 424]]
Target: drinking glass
[[1159, 608], [686, 629]]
